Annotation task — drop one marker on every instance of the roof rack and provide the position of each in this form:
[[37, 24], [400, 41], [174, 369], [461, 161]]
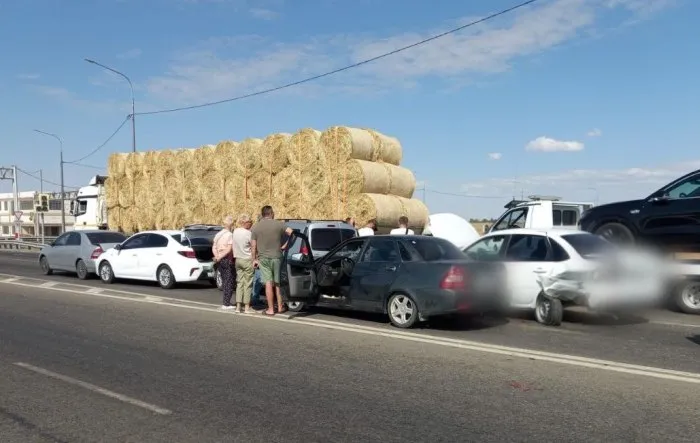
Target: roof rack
[[544, 198], [311, 221]]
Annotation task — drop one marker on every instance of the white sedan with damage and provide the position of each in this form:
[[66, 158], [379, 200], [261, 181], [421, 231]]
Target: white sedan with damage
[[548, 269]]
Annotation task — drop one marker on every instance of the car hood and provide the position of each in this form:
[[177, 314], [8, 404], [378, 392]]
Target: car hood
[[622, 207]]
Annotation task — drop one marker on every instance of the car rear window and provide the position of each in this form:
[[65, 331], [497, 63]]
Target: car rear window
[[323, 239], [588, 244], [202, 233], [435, 249], [97, 238]]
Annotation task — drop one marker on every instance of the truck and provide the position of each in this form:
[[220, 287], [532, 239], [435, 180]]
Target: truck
[[90, 205], [541, 212]]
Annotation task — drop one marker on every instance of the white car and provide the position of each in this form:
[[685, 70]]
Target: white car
[[155, 256], [549, 268]]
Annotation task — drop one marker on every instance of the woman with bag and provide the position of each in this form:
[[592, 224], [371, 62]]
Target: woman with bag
[[223, 257]]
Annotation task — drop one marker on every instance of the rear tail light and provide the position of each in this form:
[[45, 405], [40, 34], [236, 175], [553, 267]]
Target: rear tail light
[[455, 279], [96, 253], [304, 250], [187, 254]]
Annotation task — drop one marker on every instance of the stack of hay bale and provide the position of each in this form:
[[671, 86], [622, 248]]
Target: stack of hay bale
[[341, 172]]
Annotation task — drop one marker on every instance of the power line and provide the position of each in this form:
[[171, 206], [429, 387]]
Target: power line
[[345, 68], [87, 166], [44, 180], [454, 194], [94, 151]]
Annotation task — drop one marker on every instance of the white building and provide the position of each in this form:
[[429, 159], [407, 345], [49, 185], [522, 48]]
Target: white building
[[29, 220]]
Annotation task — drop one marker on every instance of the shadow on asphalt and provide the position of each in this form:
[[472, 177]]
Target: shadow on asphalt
[[451, 323], [695, 339], [71, 277]]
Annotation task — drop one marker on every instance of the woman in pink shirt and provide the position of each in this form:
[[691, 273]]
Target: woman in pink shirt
[[223, 256]]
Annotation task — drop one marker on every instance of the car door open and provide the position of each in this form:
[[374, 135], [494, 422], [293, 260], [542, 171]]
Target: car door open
[[298, 272]]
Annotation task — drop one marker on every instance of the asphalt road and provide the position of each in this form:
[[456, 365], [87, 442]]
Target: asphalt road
[[659, 338], [90, 367]]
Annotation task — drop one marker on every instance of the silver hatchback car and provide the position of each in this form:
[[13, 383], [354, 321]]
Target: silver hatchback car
[[76, 251]]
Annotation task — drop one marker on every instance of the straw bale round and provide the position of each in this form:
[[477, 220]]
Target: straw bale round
[[261, 186], [361, 176], [150, 163], [116, 165], [234, 189], [134, 164], [247, 158], [224, 155], [211, 186], [341, 143], [176, 216], [203, 160], [195, 212], [114, 218], [315, 190], [160, 219], [274, 152], [387, 209], [112, 192], [402, 182], [385, 148], [287, 197], [303, 147], [215, 211]]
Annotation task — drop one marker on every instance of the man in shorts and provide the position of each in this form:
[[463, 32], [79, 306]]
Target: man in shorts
[[266, 247]]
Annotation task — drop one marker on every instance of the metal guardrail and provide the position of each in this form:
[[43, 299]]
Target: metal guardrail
[[22, 245]]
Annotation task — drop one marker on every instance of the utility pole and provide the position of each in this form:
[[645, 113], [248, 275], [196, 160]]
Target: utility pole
[[15, 192], [41, 191], [133, 104]]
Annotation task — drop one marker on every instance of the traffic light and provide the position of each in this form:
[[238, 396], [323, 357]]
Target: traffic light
[[44, 202]]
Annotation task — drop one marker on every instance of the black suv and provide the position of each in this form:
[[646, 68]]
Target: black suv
[[669, 218]]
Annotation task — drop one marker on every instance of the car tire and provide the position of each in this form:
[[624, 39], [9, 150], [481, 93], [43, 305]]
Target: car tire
[[548, 311], [82, 270], [106, 273], [296, 306], [402, 310], [616, 233], [44, 263], [687, 297], [165, 277]]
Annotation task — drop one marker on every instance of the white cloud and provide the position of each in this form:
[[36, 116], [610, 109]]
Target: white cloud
[[608, 184], [595, 132], [28, 76], [263, 13], [546, 144], [222, 70], [495, 155], [131, 53]]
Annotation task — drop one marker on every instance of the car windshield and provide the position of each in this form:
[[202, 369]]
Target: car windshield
[[97, 238], [323, 239], [435, 249], [588, 245]]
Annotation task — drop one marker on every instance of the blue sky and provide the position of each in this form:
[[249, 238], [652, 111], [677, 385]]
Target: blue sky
[[585, 99]]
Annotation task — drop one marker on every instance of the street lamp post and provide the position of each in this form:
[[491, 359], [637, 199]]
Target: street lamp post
[[63, 197], [133, 105]]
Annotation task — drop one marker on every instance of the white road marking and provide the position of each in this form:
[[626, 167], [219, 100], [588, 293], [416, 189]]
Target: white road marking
[[670, 323], [95, 388], [48, 284], [94, 291], [606, 365]]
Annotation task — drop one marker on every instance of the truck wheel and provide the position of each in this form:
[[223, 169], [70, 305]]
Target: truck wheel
[[687, 297], [616, 233], [548, 311]]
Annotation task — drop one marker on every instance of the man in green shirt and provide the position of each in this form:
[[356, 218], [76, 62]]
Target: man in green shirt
[[266, 248]]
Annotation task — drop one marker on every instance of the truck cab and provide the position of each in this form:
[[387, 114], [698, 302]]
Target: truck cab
[[90, 206], [540, 212]]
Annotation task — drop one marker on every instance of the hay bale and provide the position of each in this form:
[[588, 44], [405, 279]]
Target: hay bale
[[134, 164], [150, 163], [128, 220], [261, 186], [144, 218], [341, 143], [176, 216], [211, 186], [361, 176], [274, 152], [126, 193], [224, 155], [303, 147], [286, 198], [387, 209], [112, 192], [116, 165], [385, 148], [203, 161], [114, 218], [402, 182], [247, 158]]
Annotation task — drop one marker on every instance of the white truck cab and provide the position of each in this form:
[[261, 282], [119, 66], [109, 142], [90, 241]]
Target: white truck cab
[[90, 205], [540, 212]]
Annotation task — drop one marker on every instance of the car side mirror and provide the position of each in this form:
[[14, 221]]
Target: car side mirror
[[659, 199], [118, 247]]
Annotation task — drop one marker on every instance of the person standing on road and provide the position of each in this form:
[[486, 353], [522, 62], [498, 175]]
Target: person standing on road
[[244, 263], [369, 229], [223, 257], [403, 227], [350, 221], [266, 247]]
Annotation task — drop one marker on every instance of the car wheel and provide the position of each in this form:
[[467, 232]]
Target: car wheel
[[82, 270], [44, 263], [166, 279], [616, 233], [549, 311], [403, 312], [688, 297], [296, 306], [106, 273]]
